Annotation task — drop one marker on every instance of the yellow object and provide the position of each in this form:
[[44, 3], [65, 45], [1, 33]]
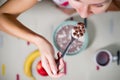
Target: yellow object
[[29, 61], [3, 69]]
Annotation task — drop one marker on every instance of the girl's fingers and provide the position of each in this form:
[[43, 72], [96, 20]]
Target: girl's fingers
[[61, 66], [46, 66], [53, 65], [61, 62], [50, 66], [59, 55], [58, 75]]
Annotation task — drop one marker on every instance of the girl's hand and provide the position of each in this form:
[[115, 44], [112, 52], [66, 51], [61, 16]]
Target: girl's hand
[[48, 60]]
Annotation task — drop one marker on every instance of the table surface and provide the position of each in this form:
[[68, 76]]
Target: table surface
[[103, 32]]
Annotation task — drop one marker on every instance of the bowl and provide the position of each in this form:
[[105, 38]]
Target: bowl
[[62, 37]]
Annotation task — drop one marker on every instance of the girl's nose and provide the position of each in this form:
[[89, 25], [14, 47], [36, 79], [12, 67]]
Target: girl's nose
[[84, 11]]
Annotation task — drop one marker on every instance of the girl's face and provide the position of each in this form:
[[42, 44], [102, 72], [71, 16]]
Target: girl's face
[[85, 8]]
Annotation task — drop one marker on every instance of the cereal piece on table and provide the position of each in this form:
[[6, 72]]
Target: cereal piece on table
[[17, 77]]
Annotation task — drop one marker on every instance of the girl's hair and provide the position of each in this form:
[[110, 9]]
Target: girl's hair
[[117, 3]]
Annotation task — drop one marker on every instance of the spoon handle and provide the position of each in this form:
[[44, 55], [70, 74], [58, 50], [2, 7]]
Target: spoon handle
[[118, 59], [66, 49], [85, 22]]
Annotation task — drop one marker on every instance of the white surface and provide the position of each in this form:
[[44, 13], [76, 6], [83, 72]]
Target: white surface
[[103, 33], [1, 40]]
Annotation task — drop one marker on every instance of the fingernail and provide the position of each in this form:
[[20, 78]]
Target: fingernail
[[54, 72]]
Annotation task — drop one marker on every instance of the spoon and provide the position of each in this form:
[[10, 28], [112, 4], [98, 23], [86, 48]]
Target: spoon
[[76, 33]]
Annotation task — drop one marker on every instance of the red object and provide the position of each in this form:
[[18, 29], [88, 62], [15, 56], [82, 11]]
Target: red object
[[65, 3], [28, 43], [97, 67], [17, 77], [65, 68], [40, 69]]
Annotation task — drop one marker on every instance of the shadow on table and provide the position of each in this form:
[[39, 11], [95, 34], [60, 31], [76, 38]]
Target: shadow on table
[[91, 32], [113, 48]]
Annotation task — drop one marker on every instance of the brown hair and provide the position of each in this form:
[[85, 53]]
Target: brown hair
[[117, 3]]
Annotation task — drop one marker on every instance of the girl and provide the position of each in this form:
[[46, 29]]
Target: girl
[[9, 12]]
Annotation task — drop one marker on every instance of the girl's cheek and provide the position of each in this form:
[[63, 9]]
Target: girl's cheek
[[98, 11]]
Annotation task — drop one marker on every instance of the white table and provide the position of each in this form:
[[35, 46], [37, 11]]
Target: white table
[[103, 30]]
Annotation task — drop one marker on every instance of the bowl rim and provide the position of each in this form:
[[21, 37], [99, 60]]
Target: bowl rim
[[69, 22], [98, 52]]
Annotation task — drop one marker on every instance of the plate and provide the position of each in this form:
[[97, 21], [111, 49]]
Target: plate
[[64, 30]]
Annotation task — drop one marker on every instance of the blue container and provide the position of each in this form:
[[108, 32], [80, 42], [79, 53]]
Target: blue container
[[65, 23]]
